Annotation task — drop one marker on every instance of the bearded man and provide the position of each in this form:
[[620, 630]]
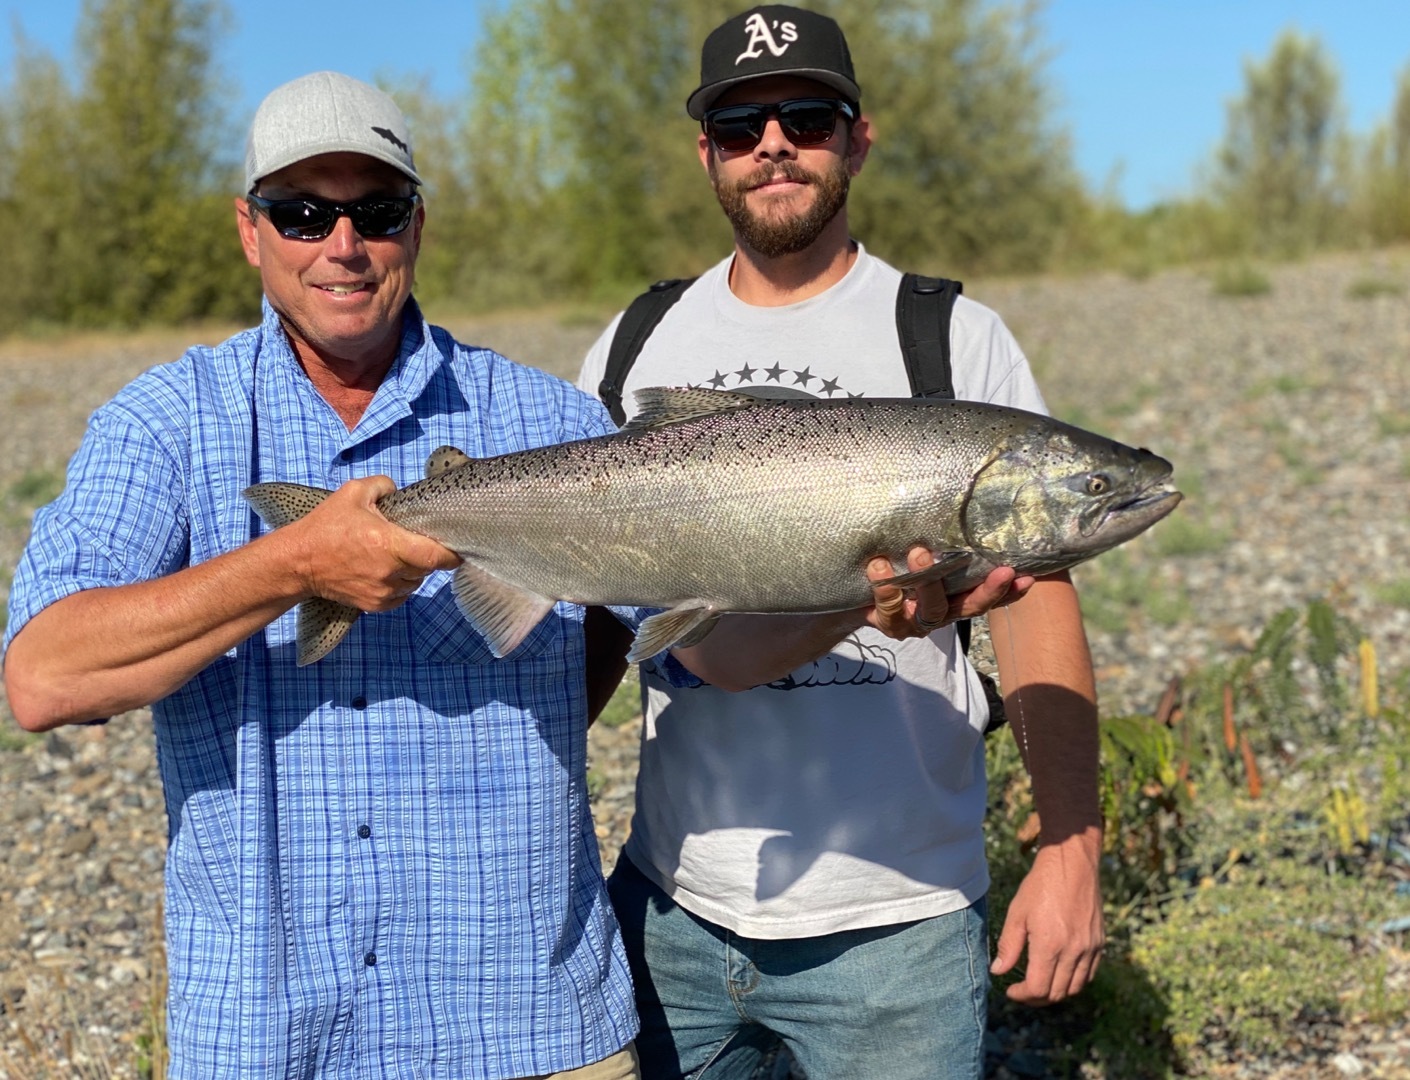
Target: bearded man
[[806, 863]]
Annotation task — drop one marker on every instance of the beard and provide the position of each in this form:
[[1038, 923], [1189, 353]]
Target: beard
[[777, 231]]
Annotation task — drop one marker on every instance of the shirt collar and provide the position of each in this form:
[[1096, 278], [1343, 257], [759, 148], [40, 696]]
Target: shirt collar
[[417, 363]]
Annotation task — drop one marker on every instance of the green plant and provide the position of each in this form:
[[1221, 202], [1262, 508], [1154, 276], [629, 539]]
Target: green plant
[[1396, 593], [1116, 589], [31, 491], [151, 1045], [37, 486], [1247, 823], [1188, 534], [596, 784], [1241, 279], [625, 705], [1393, 423], [13, 738], [1368, 288], [1243, 960]]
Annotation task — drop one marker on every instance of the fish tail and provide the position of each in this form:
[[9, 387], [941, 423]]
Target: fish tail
[[279, 504], [322, 623]]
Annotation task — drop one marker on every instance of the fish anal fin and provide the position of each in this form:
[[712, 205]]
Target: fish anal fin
[[443, 459], [685, 624], [502, 612], [322, 624]]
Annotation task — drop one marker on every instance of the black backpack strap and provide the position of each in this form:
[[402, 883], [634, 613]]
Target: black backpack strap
[[923, 308], [638, 321]]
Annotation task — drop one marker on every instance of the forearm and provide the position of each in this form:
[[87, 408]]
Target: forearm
[[744, 651], [103, 651], [1045, 669]]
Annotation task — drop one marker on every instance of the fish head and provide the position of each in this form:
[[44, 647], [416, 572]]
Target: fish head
[[1053, 495]]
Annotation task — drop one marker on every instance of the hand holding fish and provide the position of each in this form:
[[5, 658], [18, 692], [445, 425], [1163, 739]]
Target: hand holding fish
[[920, 611], [348, 553]]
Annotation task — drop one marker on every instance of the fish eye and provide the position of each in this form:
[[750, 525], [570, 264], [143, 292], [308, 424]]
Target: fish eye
[[1098, 483]]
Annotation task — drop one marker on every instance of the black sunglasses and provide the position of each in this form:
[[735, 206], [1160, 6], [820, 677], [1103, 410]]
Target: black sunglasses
[[805, 122], [312, 218]]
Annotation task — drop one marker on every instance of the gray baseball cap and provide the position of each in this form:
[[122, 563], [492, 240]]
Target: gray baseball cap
[[325, 113]]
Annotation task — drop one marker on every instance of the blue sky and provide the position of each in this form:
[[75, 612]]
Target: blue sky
[[1142, 85]]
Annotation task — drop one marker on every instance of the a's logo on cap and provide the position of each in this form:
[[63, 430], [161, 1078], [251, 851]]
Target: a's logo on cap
[[760, 33], [387, 134]]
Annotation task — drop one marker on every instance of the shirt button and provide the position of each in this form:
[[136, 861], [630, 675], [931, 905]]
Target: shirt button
[[359, 702], [370, 959], [364, 831]]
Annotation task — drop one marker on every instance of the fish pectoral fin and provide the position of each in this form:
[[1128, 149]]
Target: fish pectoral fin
[[443, 459], [322, 624], [661, 405], [502, 612], [278, 504], [700, 633], [685, 624], [945, 564]]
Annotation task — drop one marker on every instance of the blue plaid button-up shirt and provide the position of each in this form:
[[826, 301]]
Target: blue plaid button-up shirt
[[383, 864]]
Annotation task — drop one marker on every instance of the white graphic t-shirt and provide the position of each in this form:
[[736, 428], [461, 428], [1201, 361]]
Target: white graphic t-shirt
[[851, 793]]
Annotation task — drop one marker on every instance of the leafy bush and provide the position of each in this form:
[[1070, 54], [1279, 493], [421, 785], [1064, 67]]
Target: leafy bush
[[1249, 836], [1241, 279], [1368, 288], [1239, 961]]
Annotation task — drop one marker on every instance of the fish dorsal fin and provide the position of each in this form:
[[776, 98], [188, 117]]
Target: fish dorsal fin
[[444, 458], [660, 405]]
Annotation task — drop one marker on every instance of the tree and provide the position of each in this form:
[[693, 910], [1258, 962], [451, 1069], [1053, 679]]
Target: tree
[[969, 171], [38, 209], [137, 160], [584, 176], [1383, 187], [157, 162], [1282, 166]]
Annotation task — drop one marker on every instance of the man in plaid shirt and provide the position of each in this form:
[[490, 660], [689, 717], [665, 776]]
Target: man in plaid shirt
[[382, 864]]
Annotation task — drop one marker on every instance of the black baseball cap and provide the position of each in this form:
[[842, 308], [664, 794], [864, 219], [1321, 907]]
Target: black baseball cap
[[773, 40]]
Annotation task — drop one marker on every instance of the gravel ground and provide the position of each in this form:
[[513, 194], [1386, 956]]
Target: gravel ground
[[1287, 416]]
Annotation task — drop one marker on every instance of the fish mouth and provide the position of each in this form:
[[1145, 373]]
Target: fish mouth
[[1156, 503], [1139, 513], [1130, 517]]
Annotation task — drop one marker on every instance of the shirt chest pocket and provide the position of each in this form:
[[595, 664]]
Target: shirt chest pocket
[[441, 634]]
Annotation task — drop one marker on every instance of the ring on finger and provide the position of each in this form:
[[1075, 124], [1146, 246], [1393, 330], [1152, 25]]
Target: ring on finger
[[926, 626]]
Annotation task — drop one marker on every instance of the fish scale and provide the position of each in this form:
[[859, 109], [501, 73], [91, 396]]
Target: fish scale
[[716, 501]]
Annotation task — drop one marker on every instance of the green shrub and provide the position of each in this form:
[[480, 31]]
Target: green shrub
[[1241, 279], [625, 705], [1188, 534], [1117, 589], [1243, 961], [1396, 593], [1389, 423], [1368, 288], [1246, 855], [31, 491]]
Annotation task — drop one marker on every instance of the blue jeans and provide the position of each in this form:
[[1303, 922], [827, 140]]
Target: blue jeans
[[901, 1002]]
